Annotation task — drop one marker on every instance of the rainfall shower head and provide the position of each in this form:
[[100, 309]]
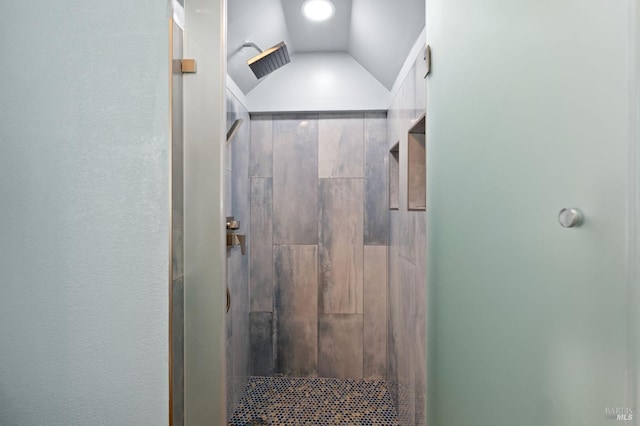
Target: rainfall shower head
[[268, 60]]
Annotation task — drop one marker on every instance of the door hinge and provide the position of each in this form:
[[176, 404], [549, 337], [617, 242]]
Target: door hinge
[[188, 66]]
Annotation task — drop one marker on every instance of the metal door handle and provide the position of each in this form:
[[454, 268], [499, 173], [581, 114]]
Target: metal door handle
[[570, 218]]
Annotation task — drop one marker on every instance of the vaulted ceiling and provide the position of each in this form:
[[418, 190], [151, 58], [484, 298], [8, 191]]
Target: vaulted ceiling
[[378, 34]]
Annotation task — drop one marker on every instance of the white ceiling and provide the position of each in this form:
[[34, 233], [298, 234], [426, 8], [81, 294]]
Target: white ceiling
[[378, 34]]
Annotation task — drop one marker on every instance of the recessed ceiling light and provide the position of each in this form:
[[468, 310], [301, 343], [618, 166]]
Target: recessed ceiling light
[[318, 10]]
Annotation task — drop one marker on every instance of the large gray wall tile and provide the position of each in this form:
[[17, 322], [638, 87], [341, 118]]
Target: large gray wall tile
[[340, 346], [407, 266], [375, 312], [240, 186], [261, 163], [421, 371], [341, 246], [407, 95], [302, 209], [420, 319], [407, 235], [238, 283], [295, 183], [407, 351], [238, 205], [238, 264], [233, 113], [296, 302], [421, 264], [228, 208], [406, 294], [341, 145], [393, 313], [376, 184], [232, 108], [261, 256], [237, 153], [261, 343], [393, 120]]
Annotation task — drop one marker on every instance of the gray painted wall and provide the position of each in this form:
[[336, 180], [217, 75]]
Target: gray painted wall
[[407, 263], [84, 216], [318, 237]]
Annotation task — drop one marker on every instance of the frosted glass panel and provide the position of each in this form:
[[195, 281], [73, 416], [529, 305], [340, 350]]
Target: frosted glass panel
[[205, 317], [529, 109]]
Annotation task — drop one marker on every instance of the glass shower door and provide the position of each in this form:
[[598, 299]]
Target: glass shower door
[[532, 108]]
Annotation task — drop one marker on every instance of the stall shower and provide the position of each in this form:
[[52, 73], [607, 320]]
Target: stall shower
[[326, 324]]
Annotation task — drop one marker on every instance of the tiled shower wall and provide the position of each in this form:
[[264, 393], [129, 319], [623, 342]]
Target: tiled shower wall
[[318, 259], [237, 204], [406, 356]]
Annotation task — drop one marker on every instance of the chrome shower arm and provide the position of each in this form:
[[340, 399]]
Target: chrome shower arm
[[252, 44]]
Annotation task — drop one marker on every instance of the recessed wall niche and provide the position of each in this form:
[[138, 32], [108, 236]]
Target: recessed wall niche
[[417, 166], [394, 177]]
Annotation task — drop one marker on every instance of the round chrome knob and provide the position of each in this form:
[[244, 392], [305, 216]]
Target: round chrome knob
[[569, 218]]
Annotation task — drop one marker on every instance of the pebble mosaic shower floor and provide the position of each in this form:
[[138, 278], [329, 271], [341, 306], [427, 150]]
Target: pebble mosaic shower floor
[[284, 401]]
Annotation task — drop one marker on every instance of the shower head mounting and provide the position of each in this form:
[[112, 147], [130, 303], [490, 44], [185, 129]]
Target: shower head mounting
[[268, 60]]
